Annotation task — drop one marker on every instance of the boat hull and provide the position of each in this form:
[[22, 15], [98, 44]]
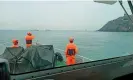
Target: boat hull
[[106, 69]]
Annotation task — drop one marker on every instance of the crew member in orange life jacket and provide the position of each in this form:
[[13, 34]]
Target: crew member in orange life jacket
[[15, 43], [70, 52], [29, 37]]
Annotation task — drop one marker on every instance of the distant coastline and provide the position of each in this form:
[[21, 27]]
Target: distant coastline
[[48, 30], [121, 24]]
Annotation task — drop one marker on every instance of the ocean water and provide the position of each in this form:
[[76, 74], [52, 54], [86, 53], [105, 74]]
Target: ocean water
[[93, 45]]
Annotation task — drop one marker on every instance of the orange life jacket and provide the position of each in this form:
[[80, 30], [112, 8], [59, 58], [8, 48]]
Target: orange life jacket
[[29, 40], [71, 49], [71, 52]]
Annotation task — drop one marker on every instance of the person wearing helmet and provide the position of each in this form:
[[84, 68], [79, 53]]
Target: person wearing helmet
[[15, 43], [28, 38], [70, 52]]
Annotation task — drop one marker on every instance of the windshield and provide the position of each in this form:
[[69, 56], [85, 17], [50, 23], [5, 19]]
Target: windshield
[[100, 31]]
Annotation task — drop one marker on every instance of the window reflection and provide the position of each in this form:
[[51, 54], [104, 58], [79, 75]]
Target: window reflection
[[92, 45]]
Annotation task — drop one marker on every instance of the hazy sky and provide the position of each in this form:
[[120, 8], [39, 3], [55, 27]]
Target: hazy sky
[[57, 15]]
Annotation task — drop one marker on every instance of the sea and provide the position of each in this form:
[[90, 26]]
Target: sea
[[92, 45]]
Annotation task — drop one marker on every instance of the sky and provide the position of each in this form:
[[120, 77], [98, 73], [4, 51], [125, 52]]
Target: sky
[[57, 15]]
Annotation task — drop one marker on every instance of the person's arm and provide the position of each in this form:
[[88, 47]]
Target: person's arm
[[33, 36], [25, 37], [66, 51], [76, 49]]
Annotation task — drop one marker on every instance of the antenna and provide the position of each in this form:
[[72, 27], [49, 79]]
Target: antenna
[[130, 5], [125, 11]]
